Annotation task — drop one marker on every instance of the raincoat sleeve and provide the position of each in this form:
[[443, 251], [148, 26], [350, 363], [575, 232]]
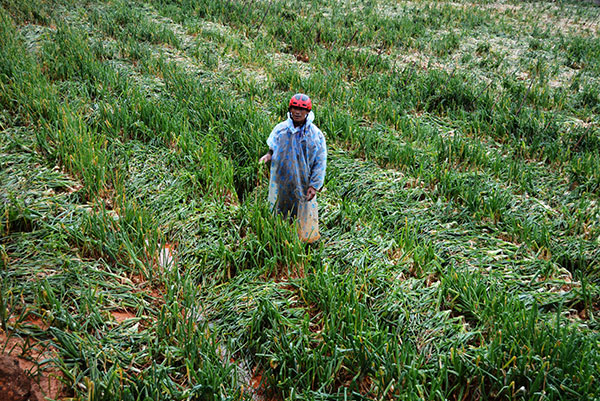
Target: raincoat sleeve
[[317, 172], [273, 139]]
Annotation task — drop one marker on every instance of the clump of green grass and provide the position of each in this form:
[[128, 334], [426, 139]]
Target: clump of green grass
[[514, 357]]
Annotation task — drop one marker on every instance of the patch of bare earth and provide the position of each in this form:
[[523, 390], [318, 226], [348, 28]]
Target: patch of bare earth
[[24, 374], [15, 384], [121, 316]]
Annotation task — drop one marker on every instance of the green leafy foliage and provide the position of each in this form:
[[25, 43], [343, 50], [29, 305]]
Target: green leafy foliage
[[460, 216]]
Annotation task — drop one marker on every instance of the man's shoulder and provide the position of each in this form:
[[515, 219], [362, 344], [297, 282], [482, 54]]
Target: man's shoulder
[[316, 131], [281, 127]]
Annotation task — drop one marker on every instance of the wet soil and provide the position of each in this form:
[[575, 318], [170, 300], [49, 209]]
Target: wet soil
[[15, 384], [24, 378]]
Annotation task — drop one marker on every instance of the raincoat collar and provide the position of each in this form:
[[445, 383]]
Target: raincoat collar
[[309, 119]]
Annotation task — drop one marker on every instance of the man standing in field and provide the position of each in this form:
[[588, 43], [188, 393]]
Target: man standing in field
[[298, 156]]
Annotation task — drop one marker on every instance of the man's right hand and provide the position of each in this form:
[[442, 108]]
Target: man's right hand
[[265, 158]]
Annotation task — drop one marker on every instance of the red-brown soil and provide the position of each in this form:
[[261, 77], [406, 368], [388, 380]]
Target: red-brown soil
[[22, 376]]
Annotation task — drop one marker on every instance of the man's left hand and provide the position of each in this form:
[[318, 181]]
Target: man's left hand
[[310, 193]]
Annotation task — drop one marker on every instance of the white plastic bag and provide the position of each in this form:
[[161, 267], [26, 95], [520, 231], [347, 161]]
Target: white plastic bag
[[308, 221]]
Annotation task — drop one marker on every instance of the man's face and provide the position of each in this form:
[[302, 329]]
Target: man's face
[[298, 114]]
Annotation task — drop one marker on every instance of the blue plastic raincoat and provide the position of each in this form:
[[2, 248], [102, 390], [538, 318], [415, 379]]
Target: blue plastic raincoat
[[298, 162]]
